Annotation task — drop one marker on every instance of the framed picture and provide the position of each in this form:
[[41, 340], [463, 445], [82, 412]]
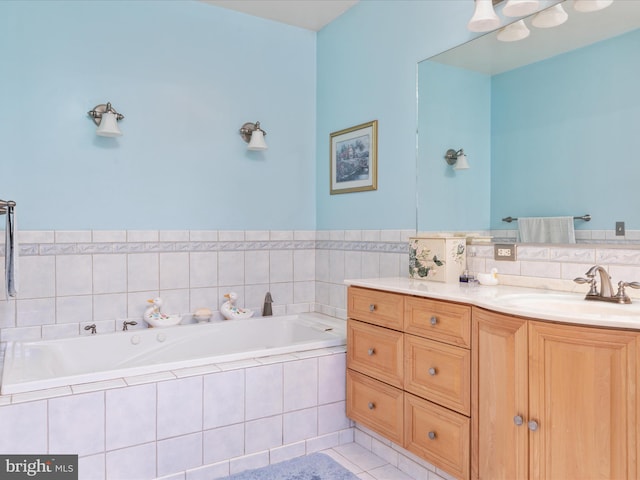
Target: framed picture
[[354, 159]]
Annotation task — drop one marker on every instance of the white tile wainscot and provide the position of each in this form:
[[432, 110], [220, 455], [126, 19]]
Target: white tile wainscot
[[204, 421]]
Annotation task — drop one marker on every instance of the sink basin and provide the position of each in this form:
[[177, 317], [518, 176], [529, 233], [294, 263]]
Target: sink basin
[[566, 304]]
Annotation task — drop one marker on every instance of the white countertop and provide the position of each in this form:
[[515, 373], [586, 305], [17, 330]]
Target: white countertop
[[525, 302]]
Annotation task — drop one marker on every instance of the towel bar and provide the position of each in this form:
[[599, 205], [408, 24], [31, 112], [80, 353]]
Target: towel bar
[[586, 218]]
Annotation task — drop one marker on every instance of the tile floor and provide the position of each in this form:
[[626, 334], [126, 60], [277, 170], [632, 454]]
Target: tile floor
[[373, 458]]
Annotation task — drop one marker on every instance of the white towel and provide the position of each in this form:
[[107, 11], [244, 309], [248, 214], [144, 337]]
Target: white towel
[[546, 230], [11, 254]]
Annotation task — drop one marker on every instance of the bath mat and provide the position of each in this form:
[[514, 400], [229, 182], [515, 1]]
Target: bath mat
[[316, 466]]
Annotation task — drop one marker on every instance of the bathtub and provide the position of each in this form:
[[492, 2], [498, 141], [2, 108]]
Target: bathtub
[[37, 365]]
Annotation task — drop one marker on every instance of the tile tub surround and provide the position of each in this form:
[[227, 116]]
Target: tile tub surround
[[69, 279], [190, 422]]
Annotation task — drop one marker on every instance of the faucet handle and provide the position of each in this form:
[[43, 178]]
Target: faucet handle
[[621, 295], [591, 280]]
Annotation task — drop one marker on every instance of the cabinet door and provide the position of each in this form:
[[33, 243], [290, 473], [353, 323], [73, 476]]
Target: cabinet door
[[583, 396], [499, 395]]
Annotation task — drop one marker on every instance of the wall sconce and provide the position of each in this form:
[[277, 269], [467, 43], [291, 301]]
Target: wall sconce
[[254, 136], [457, 158], [106, 117]]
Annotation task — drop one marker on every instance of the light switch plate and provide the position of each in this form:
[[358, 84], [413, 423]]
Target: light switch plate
[[620, 229]]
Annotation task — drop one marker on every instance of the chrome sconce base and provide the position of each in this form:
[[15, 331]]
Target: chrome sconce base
[[452, 156]]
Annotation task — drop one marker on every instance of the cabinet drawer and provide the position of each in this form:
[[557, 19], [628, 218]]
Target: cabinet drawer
[[438, 372], [438, 435], [375, 405], [375, 351], [380, 308], [442, 321]]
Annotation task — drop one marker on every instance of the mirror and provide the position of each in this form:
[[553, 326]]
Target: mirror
[[550, 125]]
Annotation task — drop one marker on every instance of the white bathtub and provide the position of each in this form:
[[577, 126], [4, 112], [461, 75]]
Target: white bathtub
[[52, 363]]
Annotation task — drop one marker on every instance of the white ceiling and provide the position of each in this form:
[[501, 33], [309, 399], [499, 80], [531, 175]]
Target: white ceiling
[[309, 14]]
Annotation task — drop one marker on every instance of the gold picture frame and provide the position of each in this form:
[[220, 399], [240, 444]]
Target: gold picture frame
[[354, 159]]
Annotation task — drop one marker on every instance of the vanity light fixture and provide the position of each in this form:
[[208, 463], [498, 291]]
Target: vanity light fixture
[[520, 8], [254, 136], [484, 17], [106, 117], [513, 32], [591, 5], [551, 17], [458, 159]]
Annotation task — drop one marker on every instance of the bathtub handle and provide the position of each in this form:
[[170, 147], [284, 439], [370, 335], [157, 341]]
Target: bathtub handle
[[125, 325]]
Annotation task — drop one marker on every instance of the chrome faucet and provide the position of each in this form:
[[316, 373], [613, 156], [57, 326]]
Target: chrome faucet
[[606, 289], [266, 308]]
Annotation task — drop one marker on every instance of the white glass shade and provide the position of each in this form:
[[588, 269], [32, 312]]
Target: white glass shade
[[461, 163], [551, 17], [591, 5], [108, 126], [520, 8], [484, 17], [514, 32], [257, 141]]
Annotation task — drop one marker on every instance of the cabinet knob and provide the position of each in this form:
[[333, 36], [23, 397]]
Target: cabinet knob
[[371, 351], [533, 425], [434, 320], [518, 420], [371, 405], [432, 435], [372, 308], [432, 371]]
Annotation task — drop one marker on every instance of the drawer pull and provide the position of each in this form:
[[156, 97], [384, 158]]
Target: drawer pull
[[432, 435], [533, 425], [434, 320], [372, 308], [432, 371], [371, 351], [371, 405], [518, 420]]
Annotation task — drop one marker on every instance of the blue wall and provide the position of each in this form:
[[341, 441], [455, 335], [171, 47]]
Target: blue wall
[[455, 112], [186, 75], [366, 71], [574, 116]]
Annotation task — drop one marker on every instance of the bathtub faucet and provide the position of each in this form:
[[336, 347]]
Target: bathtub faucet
[[266, 308], [91, 327], [125, 325]]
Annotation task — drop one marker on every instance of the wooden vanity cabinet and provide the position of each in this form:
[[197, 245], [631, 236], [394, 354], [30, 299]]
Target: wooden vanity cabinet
[[408, 374], [553, 401]]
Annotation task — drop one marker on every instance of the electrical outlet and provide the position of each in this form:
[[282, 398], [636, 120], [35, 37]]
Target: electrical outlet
[[619, 229], [504, 251]]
